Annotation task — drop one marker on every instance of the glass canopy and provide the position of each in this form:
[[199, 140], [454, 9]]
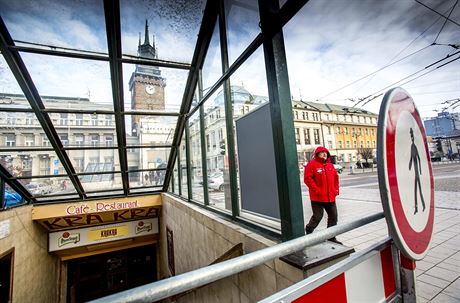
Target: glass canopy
[[105, 98]]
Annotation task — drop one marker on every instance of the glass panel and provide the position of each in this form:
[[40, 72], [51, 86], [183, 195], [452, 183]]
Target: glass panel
[[48, 186], [157, 89], [68, 83], [195, 161], [212, 67], [11, 197], [31, 163], [101, 181], [103, 194], [148, 158], [55, 198], [20, 129], [85, 130], [10, 92], [183, 168], [215, 138], [150, 130], [147, 178], [94, 160], [146, 189], [242, 25], [248, 91], [72, 24], [175, 177], [170, 24]]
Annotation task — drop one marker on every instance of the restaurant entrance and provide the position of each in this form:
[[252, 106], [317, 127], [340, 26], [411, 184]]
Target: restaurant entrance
[[104, 274]]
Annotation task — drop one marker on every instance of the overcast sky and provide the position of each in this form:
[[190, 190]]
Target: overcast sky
[[329, 45]]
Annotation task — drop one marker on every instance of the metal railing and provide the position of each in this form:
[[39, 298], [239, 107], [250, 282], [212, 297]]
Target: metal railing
[[171, 286]]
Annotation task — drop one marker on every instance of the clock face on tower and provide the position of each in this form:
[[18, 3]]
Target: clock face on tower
[[150, 89]]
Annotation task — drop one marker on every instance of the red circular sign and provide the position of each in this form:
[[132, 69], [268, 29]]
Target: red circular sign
[[405, 174]]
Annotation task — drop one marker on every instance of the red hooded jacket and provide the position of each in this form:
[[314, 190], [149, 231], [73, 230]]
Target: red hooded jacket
[[321, 178]]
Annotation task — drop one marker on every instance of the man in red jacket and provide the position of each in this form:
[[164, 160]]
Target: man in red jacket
[[323, 183]]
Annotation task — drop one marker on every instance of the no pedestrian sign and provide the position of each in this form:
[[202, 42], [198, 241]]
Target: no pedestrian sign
[[405, 174]]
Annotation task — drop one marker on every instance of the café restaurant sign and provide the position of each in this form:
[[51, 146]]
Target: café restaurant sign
[[75, 215], [99, 234]]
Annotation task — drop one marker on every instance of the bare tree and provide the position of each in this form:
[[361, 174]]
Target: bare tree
[[366, 153]]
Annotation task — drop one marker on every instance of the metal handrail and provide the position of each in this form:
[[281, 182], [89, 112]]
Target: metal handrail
[[168, 287]]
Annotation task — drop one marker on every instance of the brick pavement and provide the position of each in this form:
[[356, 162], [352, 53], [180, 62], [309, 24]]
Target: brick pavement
[[438, 274]]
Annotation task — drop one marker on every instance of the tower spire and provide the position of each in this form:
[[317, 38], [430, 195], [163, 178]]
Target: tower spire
[[146, 41], [139, 39]]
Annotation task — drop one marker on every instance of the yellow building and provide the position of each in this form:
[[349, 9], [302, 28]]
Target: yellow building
[[347, 132]]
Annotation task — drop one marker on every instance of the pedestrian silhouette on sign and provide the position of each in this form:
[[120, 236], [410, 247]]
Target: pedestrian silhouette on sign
[[414, 157]]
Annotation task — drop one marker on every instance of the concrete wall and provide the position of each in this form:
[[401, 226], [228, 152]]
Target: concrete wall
[[35, 271], [200, 237]]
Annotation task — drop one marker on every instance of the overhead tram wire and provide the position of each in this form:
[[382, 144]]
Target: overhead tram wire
[[426, 67], [400, 52], [445, 21], [388, 65], [437, 12], [368, 75]]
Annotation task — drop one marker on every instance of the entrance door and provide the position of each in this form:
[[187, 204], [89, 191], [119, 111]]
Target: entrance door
[[101, 275], [6, 276]]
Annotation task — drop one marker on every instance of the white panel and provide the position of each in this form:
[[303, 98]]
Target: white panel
[[82, 236], [364, 282]]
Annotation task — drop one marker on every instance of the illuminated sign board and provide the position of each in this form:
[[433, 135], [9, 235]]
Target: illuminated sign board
[[100, 234]]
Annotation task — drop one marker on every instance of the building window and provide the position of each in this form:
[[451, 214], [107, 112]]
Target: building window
[[338, 130], [340, 144], [45, 141], [79, 119], [327, 117], [316, 135], [303, 115], [353, 132], [296, 115], [307, 136], [355, 144], [360, 131], [348, 144], [208, 144], [297, 136], [64, 139], [63, 119], [373, 143], [328, 130], [329, 144], [94, 120], [44, 166], [29, 119], [79, 165], [94, 140], [372, 131], [79, 139], [108, 120], [361, 144], [345, 130], [10, 119], [366, 131], [109, 140], [29, 140], [10, 140], [221, 135], [368, 144]]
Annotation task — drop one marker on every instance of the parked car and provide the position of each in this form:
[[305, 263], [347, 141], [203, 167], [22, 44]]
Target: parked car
[[338, 168], [38, 188], [216, 181]]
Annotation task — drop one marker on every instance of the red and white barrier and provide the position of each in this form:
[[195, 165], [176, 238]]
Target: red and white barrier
[[370, 281], [367, 278]]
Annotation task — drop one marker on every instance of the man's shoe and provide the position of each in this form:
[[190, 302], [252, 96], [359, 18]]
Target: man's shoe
[[335, 241]]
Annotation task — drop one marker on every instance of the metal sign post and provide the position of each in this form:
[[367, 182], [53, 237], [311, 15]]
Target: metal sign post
[[406, 182]]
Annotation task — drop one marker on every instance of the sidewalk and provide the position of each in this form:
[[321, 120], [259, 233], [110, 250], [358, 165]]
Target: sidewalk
[[438, 274]]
